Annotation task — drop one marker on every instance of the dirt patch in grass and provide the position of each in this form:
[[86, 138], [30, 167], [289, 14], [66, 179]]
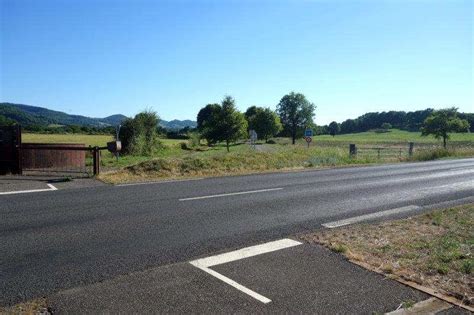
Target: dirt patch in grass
[[38, 306], [434, 250]]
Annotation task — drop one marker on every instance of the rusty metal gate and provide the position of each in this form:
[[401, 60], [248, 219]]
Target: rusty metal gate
[[10, 155], [68, 159]]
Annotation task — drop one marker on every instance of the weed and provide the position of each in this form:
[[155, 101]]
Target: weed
[[467, 266], [408, 304], [339, 248]]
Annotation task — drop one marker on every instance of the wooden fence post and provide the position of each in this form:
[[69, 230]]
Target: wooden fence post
[[410, 149], [352, 150]]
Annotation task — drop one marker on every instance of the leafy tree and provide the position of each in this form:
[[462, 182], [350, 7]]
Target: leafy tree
[[386, 126], [442, 122], [207, 120], [295, 112], [334, 128], [251, 111], [221, 122], [264, 121], [231, 124]]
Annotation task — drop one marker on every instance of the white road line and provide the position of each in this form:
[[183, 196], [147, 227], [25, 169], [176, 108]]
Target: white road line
[[370, 216], [205, 263], [239, 287], [245, 253], [231, 194], [51, 188], [160, 182]]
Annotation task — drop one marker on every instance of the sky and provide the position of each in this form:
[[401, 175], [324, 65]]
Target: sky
[[103, 57]]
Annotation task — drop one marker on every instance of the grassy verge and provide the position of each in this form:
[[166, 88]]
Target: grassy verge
[[178, 159], [242, 161], [434, 250], [38, 306]]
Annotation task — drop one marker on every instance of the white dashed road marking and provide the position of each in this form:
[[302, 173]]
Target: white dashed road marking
[[51, 188], [231, 194], [370, 216], [205, 263]]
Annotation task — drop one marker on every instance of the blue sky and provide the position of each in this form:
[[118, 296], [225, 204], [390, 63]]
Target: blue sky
[[102, 57]]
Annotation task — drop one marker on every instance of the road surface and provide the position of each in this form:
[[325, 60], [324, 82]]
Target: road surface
[[61, 239]]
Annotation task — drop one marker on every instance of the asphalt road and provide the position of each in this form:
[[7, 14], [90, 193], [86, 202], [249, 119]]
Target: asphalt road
[[55, 240]]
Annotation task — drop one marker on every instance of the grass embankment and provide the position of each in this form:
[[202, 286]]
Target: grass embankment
[[173, 160], [243, 160], [434, 250]]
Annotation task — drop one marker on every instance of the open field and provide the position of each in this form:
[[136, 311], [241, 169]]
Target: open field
[[434, 250], [174, 161]]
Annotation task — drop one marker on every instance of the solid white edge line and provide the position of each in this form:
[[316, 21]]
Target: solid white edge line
[[231, 194], [205, 263], [239, 287], [331, 225], [159, 182], [51, 188], [245, 253]]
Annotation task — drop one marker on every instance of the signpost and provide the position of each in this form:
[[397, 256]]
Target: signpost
[[253, 137], [308, 133]]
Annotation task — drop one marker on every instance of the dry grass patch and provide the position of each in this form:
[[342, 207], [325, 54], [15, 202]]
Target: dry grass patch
[[434, 250], [38, 306]]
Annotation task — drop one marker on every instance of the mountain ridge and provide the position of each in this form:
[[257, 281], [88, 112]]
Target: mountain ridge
[[29, 115]]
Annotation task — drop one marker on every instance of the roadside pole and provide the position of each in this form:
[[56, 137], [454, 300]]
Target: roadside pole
[[308, 134]]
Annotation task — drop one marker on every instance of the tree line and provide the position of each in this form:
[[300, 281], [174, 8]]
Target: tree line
[[409, 121], [224, 123]]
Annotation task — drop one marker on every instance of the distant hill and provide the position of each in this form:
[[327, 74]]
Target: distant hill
[[28, 116], [176, 124], [113, 120]]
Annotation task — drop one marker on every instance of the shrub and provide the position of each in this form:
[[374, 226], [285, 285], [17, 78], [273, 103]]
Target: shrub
[[139, 135]]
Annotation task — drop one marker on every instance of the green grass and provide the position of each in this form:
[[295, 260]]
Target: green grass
[[394, 136], [176, 160], [433, 249]]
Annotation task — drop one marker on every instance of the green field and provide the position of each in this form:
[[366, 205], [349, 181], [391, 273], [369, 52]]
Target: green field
[[394, 136], [174, 161]]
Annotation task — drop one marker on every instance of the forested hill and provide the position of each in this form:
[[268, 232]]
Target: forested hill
[[34, 116], [27, 115]]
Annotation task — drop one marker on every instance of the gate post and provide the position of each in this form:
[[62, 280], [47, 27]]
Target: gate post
[[19, 151], [352, 150], [96, 160]]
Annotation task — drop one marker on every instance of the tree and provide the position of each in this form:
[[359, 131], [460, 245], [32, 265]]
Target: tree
[[442, 122], [231, 124], [221, 122], [207, 120], [264, 121], [295, 112], [386, 126], [251, 111], [334, 128]]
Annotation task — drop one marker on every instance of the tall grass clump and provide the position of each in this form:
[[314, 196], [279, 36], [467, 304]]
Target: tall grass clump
[[139, 135]]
